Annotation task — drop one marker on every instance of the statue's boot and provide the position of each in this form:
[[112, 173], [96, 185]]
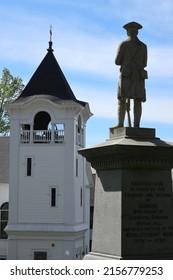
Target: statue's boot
[[121, 113]]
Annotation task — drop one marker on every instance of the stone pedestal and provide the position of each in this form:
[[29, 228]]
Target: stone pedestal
[[133, 211]]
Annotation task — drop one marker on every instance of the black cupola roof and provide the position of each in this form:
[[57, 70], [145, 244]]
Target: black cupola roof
[[49, 80]]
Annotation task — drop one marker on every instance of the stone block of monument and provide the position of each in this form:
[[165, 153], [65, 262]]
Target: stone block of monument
[[133, 211]]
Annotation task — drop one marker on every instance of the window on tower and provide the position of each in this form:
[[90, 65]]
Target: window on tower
[[25, 133], [81, 197], [53, 197], [43, 130], [77, 167], [79, 133], [40, 255], [29, 166], [3, 220], [59, 132]]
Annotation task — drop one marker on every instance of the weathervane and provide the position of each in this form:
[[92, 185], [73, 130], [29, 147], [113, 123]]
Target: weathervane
[[50, 42], [50, 33]]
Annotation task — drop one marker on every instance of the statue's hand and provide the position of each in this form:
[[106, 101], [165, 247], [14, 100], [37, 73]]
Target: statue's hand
[[144, 99]]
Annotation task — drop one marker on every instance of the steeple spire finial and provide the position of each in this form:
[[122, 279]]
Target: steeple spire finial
[[50, 33], [50, 42]]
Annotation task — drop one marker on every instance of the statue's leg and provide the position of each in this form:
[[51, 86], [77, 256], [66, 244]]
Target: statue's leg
[[121, 112], [137, 112]]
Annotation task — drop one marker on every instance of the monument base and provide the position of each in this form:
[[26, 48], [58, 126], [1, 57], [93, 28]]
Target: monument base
[[133, 210], [99, 257], [96, 256]]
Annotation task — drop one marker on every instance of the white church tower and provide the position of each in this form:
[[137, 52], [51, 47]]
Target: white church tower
[[49, 188]]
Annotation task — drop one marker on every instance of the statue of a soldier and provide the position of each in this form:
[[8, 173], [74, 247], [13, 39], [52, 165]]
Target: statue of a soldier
[[132, 57]]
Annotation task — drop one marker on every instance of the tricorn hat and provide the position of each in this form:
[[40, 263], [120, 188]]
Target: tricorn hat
[[132, 24]]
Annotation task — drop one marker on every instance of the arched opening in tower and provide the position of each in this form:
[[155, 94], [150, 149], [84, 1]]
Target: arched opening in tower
[[41, 121]]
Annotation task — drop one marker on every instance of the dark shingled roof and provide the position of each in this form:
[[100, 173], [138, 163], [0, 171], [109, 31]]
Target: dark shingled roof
[[4, 157], [49, 79]]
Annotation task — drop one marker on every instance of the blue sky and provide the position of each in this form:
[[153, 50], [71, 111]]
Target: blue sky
[[86, 35]]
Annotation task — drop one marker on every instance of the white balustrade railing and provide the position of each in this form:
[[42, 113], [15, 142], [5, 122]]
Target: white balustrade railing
[[58, 135], [42, 136], [25, 136]]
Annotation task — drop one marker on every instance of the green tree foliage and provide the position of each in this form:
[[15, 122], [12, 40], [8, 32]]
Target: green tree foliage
[[10, 89]]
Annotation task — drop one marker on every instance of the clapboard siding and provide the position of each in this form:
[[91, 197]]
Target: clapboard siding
[[48, 171]]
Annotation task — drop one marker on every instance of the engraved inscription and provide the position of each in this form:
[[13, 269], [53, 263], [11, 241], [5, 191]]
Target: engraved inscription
[[146, 220]]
